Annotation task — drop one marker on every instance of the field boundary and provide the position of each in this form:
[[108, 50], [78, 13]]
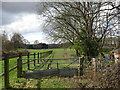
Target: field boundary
[[19, 64]]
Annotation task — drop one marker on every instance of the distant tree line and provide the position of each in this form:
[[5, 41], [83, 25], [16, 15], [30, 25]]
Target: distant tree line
[[13, 43], [46, 46], [17, 41], [37, 46]]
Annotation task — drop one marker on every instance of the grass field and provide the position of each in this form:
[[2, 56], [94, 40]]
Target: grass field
[[12, 63], [47, 82]]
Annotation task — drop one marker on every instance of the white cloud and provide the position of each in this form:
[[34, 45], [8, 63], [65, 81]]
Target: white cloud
[[36, 36], [29, 25], [25, 24]]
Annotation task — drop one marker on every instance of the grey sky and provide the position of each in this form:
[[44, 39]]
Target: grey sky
[[22, 17], [17, 7], [11, 9]]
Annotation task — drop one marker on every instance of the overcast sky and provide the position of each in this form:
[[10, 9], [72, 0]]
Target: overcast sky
[[22, 17]]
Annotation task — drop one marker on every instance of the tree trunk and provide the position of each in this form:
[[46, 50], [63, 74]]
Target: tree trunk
[[77, 53]]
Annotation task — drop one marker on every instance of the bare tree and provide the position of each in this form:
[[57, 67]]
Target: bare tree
[[17, 40], [36, 42], [84, 24], [6, 44]]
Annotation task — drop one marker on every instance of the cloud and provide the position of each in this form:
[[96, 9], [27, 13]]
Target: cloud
[[29, 25], [12, 9], [21, 17], [7, 18], [25, 24], [40, 36]]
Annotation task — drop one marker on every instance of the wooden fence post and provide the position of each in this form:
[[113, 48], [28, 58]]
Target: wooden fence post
[[81, 66], [34, 60], [19, 65], [44, 55], [41, 55], [6, 68], [28, 61], [100, 63], [38, 58], [57, 68], [94, 62]]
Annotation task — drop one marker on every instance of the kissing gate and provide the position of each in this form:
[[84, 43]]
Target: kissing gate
[[43, 64]]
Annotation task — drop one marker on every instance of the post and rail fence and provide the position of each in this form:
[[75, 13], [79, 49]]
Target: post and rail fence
[[38, 59], [19, 64]]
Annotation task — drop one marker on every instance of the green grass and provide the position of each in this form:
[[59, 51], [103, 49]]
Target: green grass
[[12, 63], [58, 53], [37, 50], [47, 82], [55, 82]]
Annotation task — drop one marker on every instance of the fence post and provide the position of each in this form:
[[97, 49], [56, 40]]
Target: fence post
[[81, 66], [34, 59], [57, 68], [28, 61], [6, 68], [94, 64], [100, 63], [41, 55], [19, 65], [118, 70], [38, 58]]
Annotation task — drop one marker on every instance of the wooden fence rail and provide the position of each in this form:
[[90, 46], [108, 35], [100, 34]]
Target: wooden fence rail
[[19, 64], [38, 58], [51, 59]]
